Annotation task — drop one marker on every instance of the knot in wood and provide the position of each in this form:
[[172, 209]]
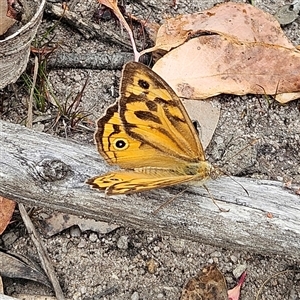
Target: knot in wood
[[52, 169]]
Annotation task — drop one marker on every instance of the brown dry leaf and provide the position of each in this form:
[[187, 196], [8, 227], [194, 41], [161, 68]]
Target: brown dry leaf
[[209, 284], [239, 20], [234, 294], [208, 66], [248, 43], [7, 208], [152, 265], [5, 22], [206, 114], [286, 97]]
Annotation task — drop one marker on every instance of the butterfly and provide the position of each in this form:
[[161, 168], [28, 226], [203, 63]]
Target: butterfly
[[149, 134], [209, 284]]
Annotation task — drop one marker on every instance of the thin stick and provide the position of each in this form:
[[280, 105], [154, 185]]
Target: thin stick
[[267, 280], [29, 112], [45, 260]]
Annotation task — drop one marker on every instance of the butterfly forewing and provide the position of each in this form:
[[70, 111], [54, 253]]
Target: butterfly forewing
[[151, 112], [118, 148]]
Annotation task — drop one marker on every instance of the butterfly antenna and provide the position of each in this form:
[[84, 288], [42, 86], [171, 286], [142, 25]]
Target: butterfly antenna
[[166, 203], [224, 173], [251, 143], [214, 200]]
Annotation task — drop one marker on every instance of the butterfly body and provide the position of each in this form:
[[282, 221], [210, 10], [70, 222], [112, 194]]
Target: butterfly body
[[148, 133]]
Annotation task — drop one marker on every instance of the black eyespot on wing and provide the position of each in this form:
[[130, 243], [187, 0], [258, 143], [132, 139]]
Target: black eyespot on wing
[[120, 144], [147, 116], [143, 84]]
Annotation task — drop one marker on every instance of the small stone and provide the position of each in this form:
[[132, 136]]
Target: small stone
[[134, 272], [178, 246], [38, 127], [156, 248], [93, 237], [122, 242], [216, 254], [216, 260], [77, 295], [152, 266], [83, 290], [75, 231], [210, 261], [233, 258], [77, 77], [82, 244], [239, 269], [135, 296], [9, 238]]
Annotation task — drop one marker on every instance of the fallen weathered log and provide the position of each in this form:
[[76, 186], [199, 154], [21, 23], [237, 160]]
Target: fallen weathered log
[[42, 170]]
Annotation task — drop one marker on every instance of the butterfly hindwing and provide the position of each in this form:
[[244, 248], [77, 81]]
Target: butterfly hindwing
[[128, 182]]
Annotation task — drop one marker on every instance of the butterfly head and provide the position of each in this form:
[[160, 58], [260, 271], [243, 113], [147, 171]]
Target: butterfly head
[[215, 172]]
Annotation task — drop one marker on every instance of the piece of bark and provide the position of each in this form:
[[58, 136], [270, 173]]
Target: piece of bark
[[42, 170], [15, 48], [98, 61], [86, 27]]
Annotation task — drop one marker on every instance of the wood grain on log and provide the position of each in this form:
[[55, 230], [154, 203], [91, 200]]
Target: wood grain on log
[[42, 170]]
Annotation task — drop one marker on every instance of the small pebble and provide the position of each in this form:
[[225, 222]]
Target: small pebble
[[93, 237], [239, 269], [152, 266], [82, 244], [135, 296], [75, 231], [233, 258], [77, 77], [122, 242]]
